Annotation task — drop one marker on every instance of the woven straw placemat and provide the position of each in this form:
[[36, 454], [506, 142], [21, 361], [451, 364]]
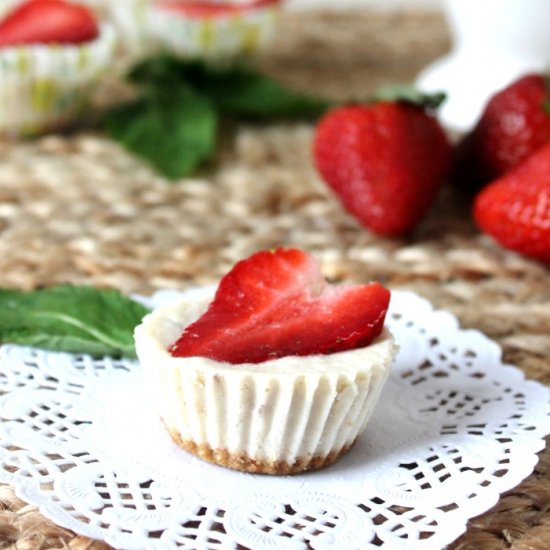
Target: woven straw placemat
[[79, 209]]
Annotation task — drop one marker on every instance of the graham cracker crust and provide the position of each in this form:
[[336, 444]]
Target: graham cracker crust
[[244, 463]]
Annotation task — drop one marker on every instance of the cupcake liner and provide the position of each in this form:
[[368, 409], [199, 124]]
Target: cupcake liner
[[221, 37], [131, 21], [281, 416], [44, 87]]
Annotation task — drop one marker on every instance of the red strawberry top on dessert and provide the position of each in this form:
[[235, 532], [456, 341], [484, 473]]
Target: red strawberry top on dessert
[[204, 9], [277, 303], [48, 22]]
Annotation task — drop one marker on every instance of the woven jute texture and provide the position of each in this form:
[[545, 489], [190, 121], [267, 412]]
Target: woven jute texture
[[79, 209]]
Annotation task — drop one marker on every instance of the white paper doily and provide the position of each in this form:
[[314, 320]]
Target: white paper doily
[[453, 430]]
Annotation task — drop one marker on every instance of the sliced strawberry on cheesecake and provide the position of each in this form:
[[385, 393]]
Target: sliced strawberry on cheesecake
[[276, 304]]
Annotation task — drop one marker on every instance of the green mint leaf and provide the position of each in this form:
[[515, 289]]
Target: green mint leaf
[[246, 93], [174, 122], [410, 94], [76, 319], [233, 90], [158, 70], [171, 127]]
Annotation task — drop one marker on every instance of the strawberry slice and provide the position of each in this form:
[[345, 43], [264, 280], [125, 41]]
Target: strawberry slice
[[275, 304], [202, 9], [48, 22]]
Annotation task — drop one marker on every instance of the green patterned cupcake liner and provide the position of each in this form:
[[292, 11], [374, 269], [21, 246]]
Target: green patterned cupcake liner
[[216, 38], [130, 18], [45, 87]]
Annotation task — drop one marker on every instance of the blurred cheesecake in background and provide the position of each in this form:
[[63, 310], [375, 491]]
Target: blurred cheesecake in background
[[52, 53], [213, 30], [216, 31]]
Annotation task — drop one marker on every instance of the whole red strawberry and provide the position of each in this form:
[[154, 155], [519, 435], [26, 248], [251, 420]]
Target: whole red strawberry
[[515, 209], [47, 22], [386, 161], [277, 303], [514, 124]]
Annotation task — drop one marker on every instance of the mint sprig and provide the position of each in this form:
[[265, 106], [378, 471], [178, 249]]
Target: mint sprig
[[173, 124], [75, 319], [245, 93], [174, 128]]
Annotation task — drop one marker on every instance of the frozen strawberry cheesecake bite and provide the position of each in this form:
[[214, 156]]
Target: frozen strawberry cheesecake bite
[[279, 373], [51, 54], [213, 30]]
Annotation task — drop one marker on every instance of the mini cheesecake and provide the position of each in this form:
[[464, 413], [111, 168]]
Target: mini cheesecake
[[282, 416], [45, 86], [213, 31]]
